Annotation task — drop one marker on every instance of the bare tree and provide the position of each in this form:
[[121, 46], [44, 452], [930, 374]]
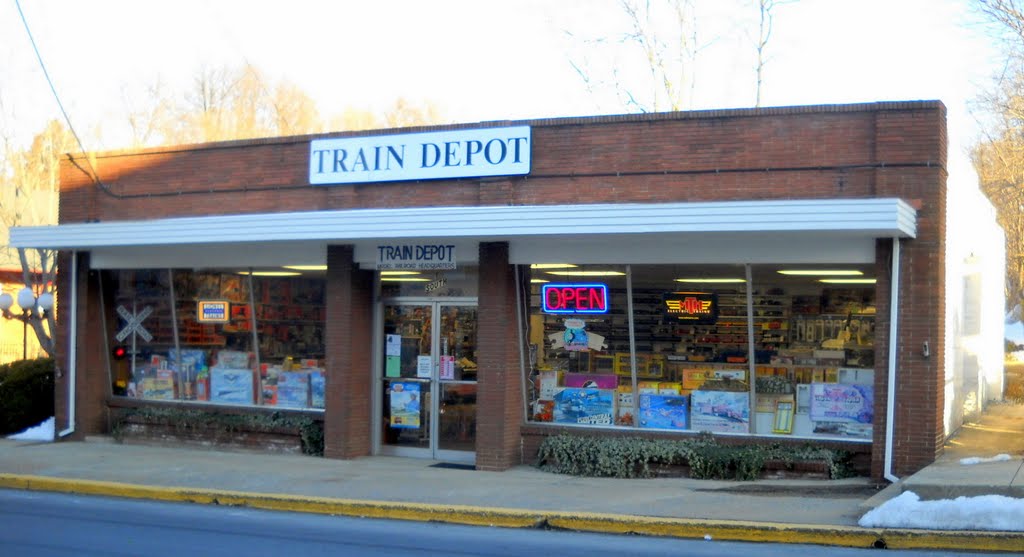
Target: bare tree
[[999, 155], [29, 197], [766, 19], [662, 36]]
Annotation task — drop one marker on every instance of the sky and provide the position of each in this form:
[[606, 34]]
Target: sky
[[480, 61]]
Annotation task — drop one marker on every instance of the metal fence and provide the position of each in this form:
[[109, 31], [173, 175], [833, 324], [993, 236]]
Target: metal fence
[[12, 351]]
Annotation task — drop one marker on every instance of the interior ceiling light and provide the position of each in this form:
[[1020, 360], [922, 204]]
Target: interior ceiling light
[[587, 273], [849, 281], [552, 266], [711, 280], [404, 279], [821, 272], [307, 267], [271, 273], [538, 281], [398, 273]]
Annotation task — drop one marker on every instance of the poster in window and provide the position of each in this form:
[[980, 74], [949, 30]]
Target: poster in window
[[720, 411], [664, 411], [392, 345], [424, 367], [837, 402], [577, 405], [405, 405], [447, 367]]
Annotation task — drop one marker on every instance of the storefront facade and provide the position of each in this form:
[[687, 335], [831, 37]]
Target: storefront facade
[[460, 292]]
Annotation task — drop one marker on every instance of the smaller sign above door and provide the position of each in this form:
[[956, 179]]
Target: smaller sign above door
[[415, 257]]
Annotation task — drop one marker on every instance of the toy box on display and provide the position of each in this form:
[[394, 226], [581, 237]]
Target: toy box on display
[[664, 411], [584, 406], [726, 411]]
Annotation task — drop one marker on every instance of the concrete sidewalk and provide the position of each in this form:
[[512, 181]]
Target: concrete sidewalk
[[789, 511]]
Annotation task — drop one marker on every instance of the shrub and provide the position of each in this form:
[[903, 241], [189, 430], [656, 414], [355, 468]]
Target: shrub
[[26, 394], [632, 457], [311, 432]]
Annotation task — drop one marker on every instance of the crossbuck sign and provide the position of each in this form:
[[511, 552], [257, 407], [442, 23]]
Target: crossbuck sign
[[134, 323]]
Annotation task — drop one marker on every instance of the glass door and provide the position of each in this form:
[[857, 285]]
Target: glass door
[[428, 376]]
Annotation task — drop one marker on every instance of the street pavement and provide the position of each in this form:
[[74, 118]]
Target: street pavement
[[778, 510]]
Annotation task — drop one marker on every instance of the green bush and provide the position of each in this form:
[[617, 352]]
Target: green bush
[[632, 457], [26, 394], [311, 432]]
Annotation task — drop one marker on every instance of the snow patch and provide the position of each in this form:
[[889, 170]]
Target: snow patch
[[41, 432], [970, 461], [984, 512]]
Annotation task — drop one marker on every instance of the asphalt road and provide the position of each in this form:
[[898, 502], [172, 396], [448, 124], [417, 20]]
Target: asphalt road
[[38, 524]]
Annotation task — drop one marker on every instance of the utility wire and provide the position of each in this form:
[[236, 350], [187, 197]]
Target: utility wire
[[95, 177]]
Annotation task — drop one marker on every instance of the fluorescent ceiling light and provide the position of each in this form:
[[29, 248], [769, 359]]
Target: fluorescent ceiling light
[[398, 273], [849, 281], [307, 267], [270, 273], [711, 280], [552, 266], [821, 272], [587, 273], [404, 279], [538, 281]]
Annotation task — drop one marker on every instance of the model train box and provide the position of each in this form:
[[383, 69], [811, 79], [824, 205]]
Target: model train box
[[160, 386], [595, 380], [231, 385], [664, 411], [842, 409], [694, 378], [316, 389], [293, 389], [726, 411], [577, 405]]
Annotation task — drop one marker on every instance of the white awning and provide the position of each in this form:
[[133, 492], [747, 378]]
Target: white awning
[[851, 218]]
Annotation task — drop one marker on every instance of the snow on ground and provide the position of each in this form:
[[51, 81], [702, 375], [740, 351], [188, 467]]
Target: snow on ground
[[970, 461], [984, 512], [41, 432]]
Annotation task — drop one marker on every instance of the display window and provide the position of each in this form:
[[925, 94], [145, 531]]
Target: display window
[[767, 349], [217, 336]]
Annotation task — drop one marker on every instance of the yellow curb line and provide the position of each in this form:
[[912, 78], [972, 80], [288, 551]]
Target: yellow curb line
[[723, 530]]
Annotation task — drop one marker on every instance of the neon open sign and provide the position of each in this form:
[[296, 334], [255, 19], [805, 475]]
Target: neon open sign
[[574, 298]]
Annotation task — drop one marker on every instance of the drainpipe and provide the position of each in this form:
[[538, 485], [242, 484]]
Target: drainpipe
[[72, 347], [890, 410]]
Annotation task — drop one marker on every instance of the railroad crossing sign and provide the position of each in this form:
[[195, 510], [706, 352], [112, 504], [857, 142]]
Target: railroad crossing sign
[[134, 323]]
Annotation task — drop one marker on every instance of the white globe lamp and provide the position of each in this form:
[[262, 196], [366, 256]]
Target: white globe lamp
[[45, 301], [27, 299]]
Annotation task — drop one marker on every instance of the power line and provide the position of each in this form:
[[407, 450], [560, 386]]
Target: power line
[[81, 147]]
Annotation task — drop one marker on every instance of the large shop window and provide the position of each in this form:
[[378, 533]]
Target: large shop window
[[230, 337], [770, 350]]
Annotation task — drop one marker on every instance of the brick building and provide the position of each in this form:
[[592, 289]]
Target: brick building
[[460, 292]]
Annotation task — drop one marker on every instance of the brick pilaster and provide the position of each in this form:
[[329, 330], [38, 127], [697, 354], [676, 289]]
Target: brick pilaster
[[499, 392], [348, 338]]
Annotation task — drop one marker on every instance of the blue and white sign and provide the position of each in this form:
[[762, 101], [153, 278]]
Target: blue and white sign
[[421, 156], [416, 257], [212, 311]]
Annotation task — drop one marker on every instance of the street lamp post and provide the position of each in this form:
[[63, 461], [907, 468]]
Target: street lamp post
[[31, 308]]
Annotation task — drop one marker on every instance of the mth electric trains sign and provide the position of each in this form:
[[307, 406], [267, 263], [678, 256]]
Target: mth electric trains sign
[[574, 298], [692, 307], [421, 156]]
